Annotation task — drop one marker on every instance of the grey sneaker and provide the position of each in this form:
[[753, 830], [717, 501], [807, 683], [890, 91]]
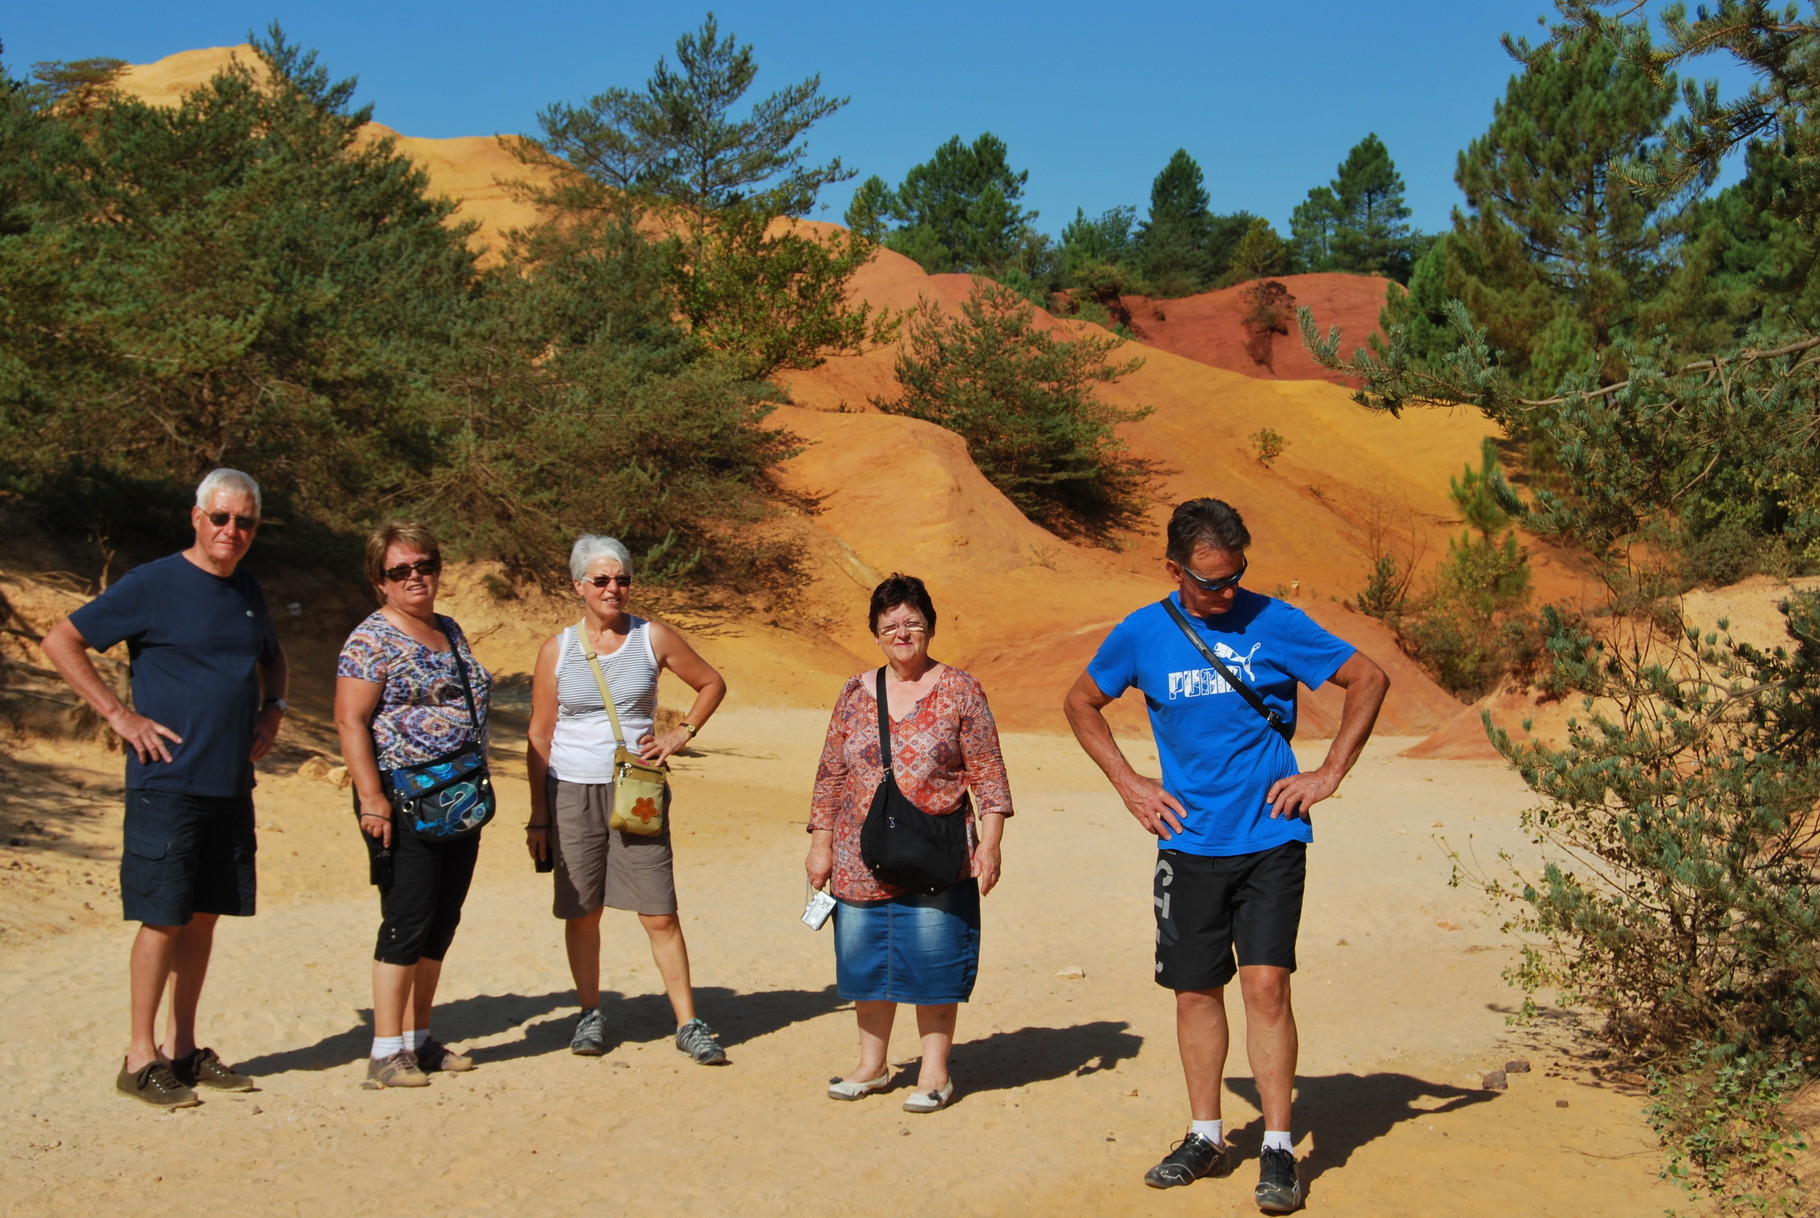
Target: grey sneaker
[[1279, 1192], [156, 1085], [1189, 1160], [398, 1070], [697, 1040], [202, 1068], [590, 1039]]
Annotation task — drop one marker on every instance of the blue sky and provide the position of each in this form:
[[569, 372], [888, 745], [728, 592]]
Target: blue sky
[[1090, 98]]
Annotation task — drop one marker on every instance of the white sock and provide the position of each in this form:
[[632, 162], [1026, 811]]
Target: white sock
[[414, 1037], [1211, 1130], [386, 1046], [1278, 1139]]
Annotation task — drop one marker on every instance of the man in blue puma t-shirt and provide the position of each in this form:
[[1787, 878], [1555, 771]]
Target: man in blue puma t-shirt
[[1231, 813]]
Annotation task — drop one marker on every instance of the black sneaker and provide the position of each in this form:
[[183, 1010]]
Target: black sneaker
[[156, 1085], [202, 1068], [1189, 1160], [1279, 1192]]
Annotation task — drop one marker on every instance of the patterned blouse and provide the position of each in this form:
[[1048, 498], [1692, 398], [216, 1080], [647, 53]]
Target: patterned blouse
[[943, 747], [421, 713]]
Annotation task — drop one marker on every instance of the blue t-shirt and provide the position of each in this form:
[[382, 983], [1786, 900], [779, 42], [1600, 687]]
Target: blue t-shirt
[[196, 642], [1219, 756]]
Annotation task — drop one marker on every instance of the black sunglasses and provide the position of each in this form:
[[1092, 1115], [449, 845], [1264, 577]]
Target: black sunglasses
[[246, 524], [1215, 585], [602, 581], [403, 571]]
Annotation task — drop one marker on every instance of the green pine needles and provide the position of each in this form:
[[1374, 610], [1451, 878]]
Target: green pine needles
[[1025, 402]]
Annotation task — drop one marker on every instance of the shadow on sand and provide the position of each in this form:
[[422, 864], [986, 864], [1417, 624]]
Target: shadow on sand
[[643, 1018], [1350, 1111]]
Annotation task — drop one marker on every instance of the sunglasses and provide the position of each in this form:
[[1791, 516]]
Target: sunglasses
[[246, 524], [404, 570], [603, 581], [1215, 585]]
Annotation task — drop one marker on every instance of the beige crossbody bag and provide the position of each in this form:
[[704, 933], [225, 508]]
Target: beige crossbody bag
[[638, 786]]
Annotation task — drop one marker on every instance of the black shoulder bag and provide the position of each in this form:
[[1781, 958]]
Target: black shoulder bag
[[1244, 691], [901, 844]]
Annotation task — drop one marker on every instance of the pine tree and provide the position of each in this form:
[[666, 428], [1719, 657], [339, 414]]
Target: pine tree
[[766, 296], [679, 139], [1358, 222], [960, 210], [1175, 242], [1024, 400], [1313, 227], [1557, 253], [1371, 232], [248, 283]]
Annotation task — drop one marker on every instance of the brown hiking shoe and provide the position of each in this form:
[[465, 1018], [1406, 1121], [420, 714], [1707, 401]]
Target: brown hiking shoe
[[202, 1068], [398, 1070], [156, 1085], [433, 1055]]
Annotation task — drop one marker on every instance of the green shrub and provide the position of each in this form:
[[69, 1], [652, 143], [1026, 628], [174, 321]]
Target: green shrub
[[1268, 444], [1024, 401]]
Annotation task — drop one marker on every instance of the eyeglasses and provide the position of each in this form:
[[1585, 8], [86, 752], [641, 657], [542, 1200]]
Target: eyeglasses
[[1215, 585], [404, 570], [888, 629], [246, 524], [607, 581]]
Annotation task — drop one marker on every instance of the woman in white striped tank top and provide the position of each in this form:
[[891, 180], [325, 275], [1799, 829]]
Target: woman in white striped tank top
[[570, 760]]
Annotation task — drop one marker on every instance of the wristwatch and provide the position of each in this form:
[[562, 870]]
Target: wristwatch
[[689, 728], [280, 703]]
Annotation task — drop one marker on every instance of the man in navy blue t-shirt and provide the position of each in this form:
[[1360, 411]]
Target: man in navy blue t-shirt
[[1218, 666], [208, 696]]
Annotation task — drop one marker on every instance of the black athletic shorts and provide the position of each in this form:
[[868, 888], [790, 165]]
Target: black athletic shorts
[[1210, 909]]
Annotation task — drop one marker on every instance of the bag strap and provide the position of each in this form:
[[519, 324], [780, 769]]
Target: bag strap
[[461, 667], [1244, 691], [600, 679], [884, 729]]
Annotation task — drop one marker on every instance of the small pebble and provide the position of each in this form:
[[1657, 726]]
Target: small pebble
[[1517, 1067], [1560, 1103], [1494, 1081], [903, 1133], [1072, 972]]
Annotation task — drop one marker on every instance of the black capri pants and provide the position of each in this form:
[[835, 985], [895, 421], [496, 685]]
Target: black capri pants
[[421, 907]]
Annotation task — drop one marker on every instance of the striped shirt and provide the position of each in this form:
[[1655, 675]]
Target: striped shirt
[[581, 749]]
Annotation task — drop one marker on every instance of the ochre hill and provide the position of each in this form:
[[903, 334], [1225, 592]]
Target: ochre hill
[[1210, 328], [471, 169], [1021, 607]]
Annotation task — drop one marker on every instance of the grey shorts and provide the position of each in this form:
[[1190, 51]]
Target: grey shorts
[[598, 866]]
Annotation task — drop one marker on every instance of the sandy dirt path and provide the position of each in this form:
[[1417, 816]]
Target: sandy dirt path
[[1068, 1085]]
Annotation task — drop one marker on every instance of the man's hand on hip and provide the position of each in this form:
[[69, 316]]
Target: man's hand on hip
[[1297, 794], [146, 736], [1154, 808]]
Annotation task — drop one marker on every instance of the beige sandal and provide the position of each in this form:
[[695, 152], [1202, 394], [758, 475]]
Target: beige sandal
[[841, 1089], [930, 1101]]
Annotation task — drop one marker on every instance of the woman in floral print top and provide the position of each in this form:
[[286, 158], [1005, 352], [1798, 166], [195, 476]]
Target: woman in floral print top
[[891, 946]]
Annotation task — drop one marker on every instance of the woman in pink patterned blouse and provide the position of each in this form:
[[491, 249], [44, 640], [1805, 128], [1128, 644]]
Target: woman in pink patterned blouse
[[892, 946]]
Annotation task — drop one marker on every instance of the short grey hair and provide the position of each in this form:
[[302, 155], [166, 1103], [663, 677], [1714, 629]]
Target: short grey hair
[[589, 547], [228, 480]]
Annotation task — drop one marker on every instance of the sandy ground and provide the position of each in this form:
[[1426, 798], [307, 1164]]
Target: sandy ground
[[1068, 1085]]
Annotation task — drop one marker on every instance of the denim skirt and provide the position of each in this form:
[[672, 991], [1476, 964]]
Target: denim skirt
[[918, 949]]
